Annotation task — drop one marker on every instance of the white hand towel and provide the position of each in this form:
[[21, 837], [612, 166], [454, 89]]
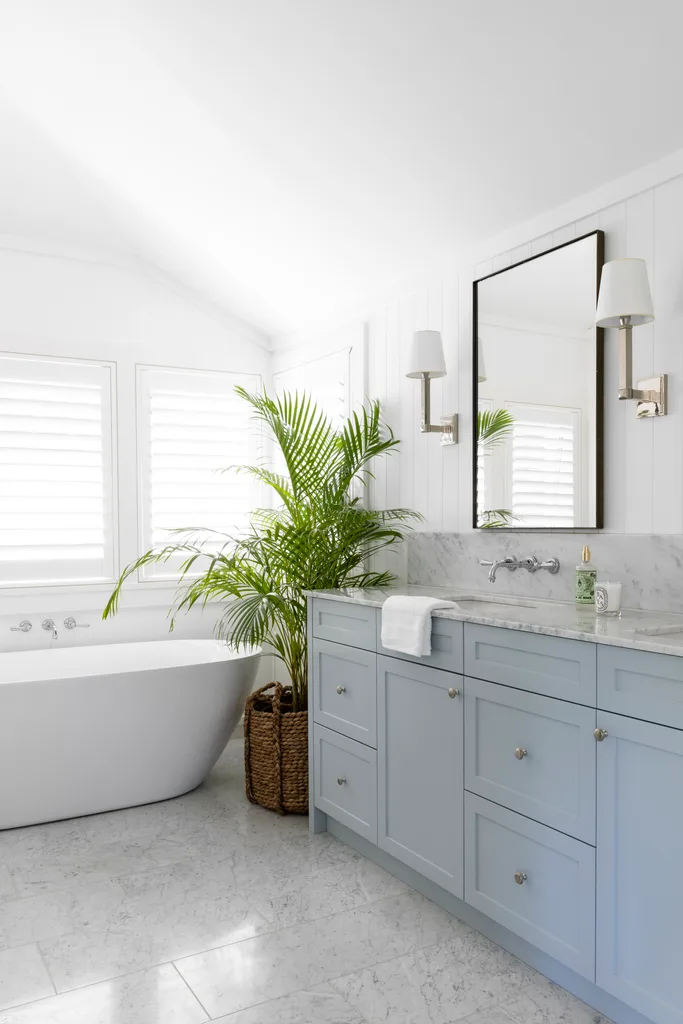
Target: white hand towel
[[407, 623]]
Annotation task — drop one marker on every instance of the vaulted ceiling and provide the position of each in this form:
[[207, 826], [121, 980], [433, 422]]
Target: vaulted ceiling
[[288, 158]]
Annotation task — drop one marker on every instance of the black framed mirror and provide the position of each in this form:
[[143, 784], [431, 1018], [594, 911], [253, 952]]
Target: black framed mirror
[[538, 387]]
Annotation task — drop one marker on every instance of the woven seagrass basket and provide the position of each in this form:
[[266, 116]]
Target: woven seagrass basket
[[276, 751]]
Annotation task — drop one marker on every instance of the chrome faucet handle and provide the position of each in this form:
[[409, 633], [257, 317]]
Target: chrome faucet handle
[[23, 627], [71, 623], [551, 564], [485, 561]]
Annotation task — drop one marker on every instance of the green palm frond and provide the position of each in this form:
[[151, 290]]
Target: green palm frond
[[493, 427], [318, 534]]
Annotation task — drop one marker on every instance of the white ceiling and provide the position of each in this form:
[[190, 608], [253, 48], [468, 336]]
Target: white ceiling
[[288, 158]]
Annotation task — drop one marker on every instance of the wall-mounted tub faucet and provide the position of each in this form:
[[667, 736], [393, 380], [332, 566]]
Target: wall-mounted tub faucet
[[49, 624], [23, 627], [531, 564]]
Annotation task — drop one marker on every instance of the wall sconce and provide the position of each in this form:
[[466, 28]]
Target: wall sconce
[[427, 362], [625, 302]]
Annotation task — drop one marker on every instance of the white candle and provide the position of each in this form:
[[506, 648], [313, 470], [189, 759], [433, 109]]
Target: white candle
[[608, 597]]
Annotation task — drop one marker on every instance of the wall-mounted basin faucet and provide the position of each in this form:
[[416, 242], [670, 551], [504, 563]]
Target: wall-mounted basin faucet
[[49, 624], [500, 563], [531, 564]]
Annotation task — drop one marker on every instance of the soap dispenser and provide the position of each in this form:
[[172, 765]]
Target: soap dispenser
[[585, 579]]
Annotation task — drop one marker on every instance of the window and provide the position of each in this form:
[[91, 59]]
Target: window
[[546, 456], [191, 427], [56, 471]]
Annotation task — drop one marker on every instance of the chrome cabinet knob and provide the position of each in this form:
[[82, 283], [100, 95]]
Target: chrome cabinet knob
[[340, 780], [521, 752], [600, 734], [453, 693], [341, 689], [520, 877]]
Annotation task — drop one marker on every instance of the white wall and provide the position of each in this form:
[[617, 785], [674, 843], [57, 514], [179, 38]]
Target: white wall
[[643, 459], [63, 306]]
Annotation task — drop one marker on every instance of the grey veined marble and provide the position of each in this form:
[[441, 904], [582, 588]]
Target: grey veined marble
[[218, 910], [650, 567]]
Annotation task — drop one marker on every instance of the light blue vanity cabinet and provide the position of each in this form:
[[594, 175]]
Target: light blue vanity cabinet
[[531, 784], [640, 866], [419, 769]]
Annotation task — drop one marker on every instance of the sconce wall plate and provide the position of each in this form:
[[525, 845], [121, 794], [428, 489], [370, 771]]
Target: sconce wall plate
[[657, 406]]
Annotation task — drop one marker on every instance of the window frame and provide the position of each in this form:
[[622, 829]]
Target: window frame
[[110, 479], [252, 381]]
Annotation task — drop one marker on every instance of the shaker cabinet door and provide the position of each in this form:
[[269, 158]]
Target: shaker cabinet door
[[420, 769], [639, 866]]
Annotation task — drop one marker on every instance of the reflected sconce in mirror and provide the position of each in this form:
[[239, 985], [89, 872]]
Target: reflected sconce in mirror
[[426, 363], [625, 302], [481, 366]]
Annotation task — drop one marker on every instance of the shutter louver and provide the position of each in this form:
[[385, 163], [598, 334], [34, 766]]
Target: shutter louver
[[543, 468], [193, 427], [56, 492]]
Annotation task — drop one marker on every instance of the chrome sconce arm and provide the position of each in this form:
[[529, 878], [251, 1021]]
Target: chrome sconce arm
[[651, 393], [427, 361], [448, 427]]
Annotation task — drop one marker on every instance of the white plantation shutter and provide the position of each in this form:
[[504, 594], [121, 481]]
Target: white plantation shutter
[[546, 451], [192, 426], [56, 471]]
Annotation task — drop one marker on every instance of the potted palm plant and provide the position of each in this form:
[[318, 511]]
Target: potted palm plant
[[317, 535]]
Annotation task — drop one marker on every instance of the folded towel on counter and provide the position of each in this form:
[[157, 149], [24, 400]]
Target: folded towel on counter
[[407, 623]]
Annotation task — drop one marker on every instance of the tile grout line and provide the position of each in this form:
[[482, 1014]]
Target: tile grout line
[[191, 990]]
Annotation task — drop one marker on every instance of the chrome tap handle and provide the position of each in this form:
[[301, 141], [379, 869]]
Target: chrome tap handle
[[71, 623], [23, 627], [485, 561]]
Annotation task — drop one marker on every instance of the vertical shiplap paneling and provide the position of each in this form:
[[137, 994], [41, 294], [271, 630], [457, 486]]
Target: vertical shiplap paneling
[[435, 452], [667, 481], [423, 444], [637, 441], [377, 388], [453, 458], [408, 404], [616, 413], [541, 244], [392, 406], [564, 234]]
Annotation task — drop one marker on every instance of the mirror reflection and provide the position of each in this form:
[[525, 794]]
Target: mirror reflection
[[538, 392]]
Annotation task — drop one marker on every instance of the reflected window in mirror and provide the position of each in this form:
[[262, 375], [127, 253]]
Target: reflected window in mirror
[[538, 392]]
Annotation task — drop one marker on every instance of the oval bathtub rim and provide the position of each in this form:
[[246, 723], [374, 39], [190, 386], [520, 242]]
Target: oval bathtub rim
[[45, 656]]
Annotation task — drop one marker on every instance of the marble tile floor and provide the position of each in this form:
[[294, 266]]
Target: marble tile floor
[[205, 908]]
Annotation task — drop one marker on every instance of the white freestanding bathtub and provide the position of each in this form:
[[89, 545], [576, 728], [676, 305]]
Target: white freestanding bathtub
[[87, 729]]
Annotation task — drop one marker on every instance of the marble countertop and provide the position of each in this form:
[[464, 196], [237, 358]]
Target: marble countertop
[[656, 631]]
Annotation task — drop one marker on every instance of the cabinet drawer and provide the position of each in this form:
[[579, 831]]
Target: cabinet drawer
[[641, 684], [345, 690], [554, 906], [345, 623], [549, 665], [533, 754], [346, 781], [447, 640]]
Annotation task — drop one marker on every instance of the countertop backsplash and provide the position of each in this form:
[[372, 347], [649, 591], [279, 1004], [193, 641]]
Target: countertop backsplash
[[649, 566]]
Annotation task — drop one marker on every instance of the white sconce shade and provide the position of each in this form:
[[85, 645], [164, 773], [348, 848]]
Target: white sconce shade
[[426, 355], [481, 365], [624, 292]]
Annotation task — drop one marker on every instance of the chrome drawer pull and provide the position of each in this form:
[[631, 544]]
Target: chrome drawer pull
[[453, 693], [520, 877], [340, 780], [600, 734], [341, 689], [521, 752]]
